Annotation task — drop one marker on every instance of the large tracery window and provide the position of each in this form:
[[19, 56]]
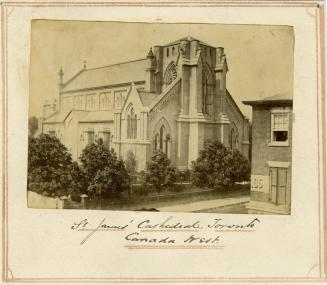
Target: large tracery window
[[131, 125], [170, 74], [162, 141], [207, 91]]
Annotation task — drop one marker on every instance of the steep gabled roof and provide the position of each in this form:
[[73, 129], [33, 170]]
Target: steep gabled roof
[[61, 117], [234, 103], [98, 116], [115, 74], [57, 117], [166, 92], [147, 98]]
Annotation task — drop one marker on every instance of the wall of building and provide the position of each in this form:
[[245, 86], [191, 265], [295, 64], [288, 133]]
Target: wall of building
[[98, 128], [261, 138], [58, 128], [139, 149], [112, 98], [168, 111], [240, 126], [263, 153]]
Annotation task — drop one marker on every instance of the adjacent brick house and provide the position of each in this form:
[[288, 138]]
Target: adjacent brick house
[[271, 170]]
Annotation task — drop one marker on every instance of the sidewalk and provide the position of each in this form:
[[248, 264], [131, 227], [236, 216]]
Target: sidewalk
[[205, 205]]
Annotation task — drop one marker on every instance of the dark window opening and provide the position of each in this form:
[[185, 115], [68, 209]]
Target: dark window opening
[[280, 136]]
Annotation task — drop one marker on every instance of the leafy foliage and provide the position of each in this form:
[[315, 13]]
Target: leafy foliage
[[76, 179], [105, 172], [218, 165], [131, 165], [159, 173], [50, 167]]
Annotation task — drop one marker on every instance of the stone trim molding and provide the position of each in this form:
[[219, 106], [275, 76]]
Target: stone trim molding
[[281, 164]]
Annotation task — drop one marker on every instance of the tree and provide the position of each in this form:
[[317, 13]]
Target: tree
[[106, 173], [131, 165], [219, 166], [110, 181], [49, 166], [76, 179], [96, 157], [33, 125], [159, 173]]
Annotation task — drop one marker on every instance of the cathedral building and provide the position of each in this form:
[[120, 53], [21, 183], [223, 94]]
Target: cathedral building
[[174, 100]]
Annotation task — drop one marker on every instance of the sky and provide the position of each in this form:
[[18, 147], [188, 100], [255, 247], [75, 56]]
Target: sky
[[259, 58]]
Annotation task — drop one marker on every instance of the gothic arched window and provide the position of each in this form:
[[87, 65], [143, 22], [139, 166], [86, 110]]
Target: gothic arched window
[[156, 141], [128, 126], [161, 137], [207, 91], [167, 145], [162, 140], [135, 127], [131, 125], [170, 74]]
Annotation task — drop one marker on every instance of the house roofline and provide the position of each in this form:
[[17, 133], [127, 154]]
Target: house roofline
[[268, 102]]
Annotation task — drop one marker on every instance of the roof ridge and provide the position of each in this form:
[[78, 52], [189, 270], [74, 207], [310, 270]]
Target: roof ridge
[[73, 77], [119, 63]]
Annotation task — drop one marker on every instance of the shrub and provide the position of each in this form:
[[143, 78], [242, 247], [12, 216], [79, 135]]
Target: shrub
[[106, 173], [77, 182], [96, 157], [159, 173], [218, 165], [50, 167], [183, 176]]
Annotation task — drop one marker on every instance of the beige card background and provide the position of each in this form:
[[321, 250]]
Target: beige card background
[[39, 245]]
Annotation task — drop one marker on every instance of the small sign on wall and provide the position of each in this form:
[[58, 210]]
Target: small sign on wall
[[260, 183]]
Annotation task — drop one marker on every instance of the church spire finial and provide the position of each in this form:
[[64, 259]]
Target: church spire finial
[[150, 54], [61, 76]]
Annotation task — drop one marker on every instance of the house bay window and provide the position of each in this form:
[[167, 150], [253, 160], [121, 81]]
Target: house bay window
[[279, 129]]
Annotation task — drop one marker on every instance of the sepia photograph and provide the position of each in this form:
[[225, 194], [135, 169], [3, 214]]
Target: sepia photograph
[[163, 142], [160, 117]]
